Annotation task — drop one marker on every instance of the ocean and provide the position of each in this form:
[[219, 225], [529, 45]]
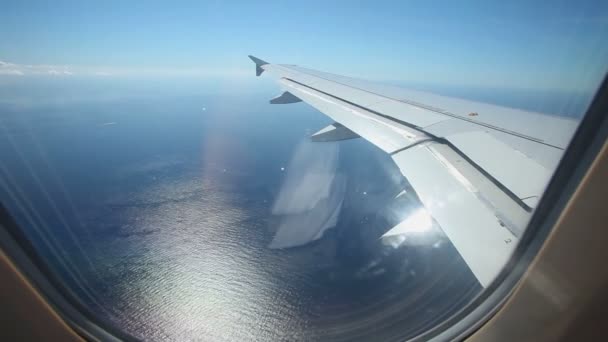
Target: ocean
[[197, 211]]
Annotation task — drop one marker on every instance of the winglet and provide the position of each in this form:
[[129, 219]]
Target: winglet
[[258, 65]]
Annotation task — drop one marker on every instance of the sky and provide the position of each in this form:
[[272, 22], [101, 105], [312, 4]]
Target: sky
[[512, 44]]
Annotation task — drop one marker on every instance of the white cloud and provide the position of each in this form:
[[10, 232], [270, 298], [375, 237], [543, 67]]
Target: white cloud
[[7, 68], [7, 71], [56, 72], [48, 70]]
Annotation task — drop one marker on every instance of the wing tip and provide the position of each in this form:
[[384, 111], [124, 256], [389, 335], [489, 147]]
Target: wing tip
[[258, 64], [257, 61]]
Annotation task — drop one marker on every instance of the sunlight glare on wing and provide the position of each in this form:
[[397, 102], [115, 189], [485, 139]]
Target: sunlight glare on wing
[[416, 224]]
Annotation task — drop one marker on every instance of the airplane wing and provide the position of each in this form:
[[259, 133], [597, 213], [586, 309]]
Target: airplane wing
[[478, 169]]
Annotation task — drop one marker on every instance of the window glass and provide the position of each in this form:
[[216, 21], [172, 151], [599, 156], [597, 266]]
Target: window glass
[[141, 158]]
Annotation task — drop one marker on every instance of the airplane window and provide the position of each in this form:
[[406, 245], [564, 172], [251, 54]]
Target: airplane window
[[206, 172]]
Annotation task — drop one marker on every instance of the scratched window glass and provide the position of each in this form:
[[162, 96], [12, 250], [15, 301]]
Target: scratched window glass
[[303, 171]]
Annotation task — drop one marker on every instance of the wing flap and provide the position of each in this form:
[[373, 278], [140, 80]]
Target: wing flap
[[520, 174], [473, 226]]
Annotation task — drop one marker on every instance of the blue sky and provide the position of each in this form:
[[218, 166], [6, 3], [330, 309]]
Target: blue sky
[[518, 44]]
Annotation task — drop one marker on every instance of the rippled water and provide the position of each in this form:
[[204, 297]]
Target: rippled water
[[162, 215]]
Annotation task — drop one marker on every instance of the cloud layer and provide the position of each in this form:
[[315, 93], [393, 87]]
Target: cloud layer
[[13, 69]]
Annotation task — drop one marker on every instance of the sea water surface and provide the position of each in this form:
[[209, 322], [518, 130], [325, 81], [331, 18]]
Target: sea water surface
[[197, 211]]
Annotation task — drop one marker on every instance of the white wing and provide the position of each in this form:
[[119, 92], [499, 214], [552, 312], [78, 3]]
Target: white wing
[[479, 169]]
